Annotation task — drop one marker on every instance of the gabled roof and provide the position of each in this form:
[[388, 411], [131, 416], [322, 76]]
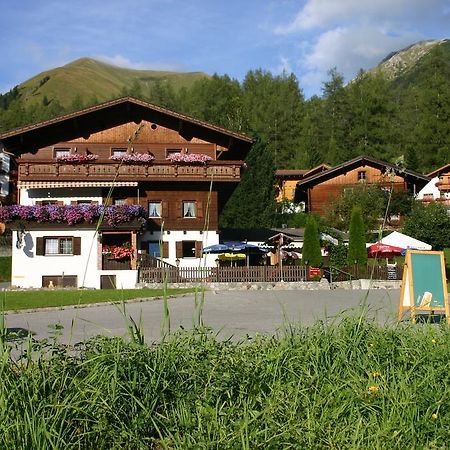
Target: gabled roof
[[300, 174], [116, 112], [361, 161], [440, 171]]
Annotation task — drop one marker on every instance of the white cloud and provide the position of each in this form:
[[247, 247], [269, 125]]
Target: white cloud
[[283, 66], [329, 13], [349, 49], [122, 61]]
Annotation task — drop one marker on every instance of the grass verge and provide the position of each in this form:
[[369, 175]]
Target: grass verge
[[33, 299], [352, 384]]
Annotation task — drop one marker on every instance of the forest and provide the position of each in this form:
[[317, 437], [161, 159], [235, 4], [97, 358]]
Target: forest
[[403, 121]]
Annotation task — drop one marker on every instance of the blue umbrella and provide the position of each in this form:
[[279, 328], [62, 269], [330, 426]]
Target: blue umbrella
[[216, 248]]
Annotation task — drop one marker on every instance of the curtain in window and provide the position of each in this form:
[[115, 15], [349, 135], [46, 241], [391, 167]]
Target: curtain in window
[[188, 209], [65, 246], [154, 209], [51, 246]]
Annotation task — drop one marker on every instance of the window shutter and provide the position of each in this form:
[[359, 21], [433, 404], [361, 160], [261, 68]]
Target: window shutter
[[39, 246], [180, 210], [198, 249], [74, 203], [164, 209], [200, 210], [179, 249], [165, 249], [38, 203], [143, 246], [77, 246], [60, 203]]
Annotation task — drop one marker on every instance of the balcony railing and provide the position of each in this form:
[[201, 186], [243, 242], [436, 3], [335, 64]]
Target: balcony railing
[[51, 170]]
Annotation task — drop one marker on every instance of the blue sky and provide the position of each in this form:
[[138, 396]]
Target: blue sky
[[215, 36]]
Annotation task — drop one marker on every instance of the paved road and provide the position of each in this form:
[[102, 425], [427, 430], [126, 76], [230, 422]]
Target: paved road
[[231, 313]]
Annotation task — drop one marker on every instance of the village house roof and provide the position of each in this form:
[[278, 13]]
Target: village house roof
[[360, 161], [116, 112], [439, 171]]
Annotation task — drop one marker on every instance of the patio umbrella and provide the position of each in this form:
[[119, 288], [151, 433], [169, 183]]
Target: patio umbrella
[[379, 250], [216, 248]]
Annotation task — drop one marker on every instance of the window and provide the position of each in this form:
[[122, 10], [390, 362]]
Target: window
[[154, 249], [189, 209], [120, 201], [48, 202], [58, 152], [58, 246], [84, 202], [348, 191], [362, 175], [118, 151], [172, 151], [188, 249], [154, 209]]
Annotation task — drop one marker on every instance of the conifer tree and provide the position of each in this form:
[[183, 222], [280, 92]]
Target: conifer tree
[[311, 252], [252, 204], [357, 251]]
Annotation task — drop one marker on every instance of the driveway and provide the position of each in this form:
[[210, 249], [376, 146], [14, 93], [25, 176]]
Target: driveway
[[233, 314]]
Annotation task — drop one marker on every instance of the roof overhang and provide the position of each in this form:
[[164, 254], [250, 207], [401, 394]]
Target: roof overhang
[[410, 176], [106, 115]]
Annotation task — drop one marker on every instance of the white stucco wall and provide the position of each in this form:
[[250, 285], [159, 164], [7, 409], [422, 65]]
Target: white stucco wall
[[207, 238], [430, 188], [66, 195], [29, 268]]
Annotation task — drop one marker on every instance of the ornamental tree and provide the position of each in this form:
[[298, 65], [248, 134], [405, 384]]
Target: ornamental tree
[[311, 252], [357, 251]]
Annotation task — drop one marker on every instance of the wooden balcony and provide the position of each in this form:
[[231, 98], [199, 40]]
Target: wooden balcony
[[106, 171]]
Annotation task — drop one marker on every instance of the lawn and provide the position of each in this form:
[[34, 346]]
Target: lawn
[[30, 299]]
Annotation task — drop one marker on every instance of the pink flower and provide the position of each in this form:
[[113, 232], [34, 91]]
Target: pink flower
[[198, 158]]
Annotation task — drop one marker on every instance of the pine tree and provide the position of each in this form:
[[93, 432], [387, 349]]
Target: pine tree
[[311, 252], [357, 251], [252, 204]]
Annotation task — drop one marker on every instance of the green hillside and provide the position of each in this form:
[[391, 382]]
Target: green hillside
[[87, 79]]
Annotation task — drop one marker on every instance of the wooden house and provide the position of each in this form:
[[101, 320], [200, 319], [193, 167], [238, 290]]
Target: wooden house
[[318, 190], [100, 185], [438, 188]]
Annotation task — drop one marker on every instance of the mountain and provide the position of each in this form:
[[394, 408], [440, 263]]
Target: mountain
[[91, 81], [403, 64]]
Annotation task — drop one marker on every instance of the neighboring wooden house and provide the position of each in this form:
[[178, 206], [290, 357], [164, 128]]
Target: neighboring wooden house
[[164, 176], [287, 180], [438, 188], [317, 191]]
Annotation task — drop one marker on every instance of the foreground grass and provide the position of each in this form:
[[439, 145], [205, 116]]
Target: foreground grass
[[351, 385], [16, 300]]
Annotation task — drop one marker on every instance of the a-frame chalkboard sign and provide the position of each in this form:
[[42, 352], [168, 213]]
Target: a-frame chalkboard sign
[[424, 286]]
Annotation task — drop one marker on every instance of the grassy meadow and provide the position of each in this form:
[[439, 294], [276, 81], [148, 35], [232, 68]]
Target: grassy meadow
[[349, 385], [57, 298]]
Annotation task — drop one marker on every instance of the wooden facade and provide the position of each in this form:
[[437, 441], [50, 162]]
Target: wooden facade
[[319, 190], [180, 170]]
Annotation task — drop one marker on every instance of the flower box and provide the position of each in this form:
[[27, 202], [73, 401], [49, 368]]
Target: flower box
[[76, 158], [72, 214], [144, 158], [189, 158]]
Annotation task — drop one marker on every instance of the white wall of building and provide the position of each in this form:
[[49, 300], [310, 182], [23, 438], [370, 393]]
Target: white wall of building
[[172, 237], [29, 268], [29, 197], [430, 188]]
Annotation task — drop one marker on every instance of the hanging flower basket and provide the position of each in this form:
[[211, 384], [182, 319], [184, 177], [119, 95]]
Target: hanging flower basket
[[118, 252], [76, 158], [189, 158], [133, 158]]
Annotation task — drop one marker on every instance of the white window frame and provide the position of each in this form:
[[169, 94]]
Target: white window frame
[[58, 246], [156, 207], [189, 209]]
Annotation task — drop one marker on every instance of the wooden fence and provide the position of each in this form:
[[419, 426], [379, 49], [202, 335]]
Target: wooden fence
[[254, 274]]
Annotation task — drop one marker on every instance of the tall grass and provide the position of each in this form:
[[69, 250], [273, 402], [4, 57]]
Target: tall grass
[[351, 384]]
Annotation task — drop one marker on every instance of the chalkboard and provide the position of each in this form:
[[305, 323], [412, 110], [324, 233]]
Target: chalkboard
[[424, 286]]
